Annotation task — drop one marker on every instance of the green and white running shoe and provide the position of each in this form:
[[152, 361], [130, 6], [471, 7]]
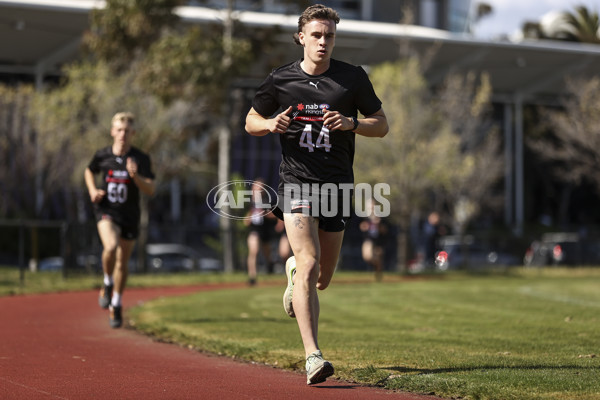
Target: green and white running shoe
[[290, 270], [317, 369]]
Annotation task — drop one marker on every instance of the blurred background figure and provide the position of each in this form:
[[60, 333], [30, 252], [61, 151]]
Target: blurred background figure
[[431, 236], [374, 232], [262, 229], [284, 249]]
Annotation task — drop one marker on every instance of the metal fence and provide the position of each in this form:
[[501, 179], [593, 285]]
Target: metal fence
[[75, 248]]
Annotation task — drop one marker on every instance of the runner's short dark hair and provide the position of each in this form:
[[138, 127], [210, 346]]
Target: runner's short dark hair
[[317, 11]]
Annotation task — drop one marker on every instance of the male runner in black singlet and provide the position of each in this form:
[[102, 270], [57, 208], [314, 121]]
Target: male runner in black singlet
[[313, 105], [125, 172]]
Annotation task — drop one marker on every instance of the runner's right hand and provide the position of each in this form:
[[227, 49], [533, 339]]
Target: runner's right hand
[[97, 195], [280, 122]]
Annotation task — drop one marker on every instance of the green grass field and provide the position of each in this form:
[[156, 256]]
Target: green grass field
[[528, 334]]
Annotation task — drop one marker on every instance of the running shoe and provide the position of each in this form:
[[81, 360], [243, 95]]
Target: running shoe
[[116, 318], [105, 296], [290, 270], [317, 369]]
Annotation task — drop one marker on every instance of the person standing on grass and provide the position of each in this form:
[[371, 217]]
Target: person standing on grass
[[374, 231], [313, 105], [125, 172], [261, 231]]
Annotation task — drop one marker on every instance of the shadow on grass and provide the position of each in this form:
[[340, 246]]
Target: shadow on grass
[[233, 320], [424, 371]]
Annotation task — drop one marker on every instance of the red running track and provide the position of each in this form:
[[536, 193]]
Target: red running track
[[60, 346]]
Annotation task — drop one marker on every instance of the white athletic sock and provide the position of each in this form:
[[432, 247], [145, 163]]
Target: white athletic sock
[[116, 299], [108, 281]]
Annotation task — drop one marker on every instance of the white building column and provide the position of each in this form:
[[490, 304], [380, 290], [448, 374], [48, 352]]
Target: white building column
[[519, 167], [508, 165]]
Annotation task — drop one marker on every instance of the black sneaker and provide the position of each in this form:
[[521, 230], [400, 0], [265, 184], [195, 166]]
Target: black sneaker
[[105, 296], [270, 268], [116, 319]]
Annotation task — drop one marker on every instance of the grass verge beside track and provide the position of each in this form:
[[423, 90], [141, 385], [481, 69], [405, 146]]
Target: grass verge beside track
[[526, 334], [54, 281]]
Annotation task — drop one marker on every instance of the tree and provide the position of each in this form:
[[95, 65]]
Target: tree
[[583, 25], [426, 156], [74, 120], [17, 153], [481, 11], [124, 29], [569, 140], [191, 65], [174, 61], [465, 104], [140, 59], [578, 26]]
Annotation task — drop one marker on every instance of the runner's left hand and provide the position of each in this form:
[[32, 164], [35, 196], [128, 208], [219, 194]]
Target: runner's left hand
[[334, 120], [132, 167]]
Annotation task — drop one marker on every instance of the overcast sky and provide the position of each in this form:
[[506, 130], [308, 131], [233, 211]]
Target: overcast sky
[[509, 15]]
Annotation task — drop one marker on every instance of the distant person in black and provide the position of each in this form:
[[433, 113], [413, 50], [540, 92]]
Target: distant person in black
[[432, 231], [313, 104], [261, 225], [374, 231], [125, 172]]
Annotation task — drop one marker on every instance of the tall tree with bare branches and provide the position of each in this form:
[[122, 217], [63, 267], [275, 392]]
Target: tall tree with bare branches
[[17, 153], [569, 139], [441, 148]]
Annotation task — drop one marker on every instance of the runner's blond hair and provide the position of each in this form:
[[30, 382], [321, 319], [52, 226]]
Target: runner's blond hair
[[124, 117]]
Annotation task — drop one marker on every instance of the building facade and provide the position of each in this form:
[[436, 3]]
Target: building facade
[[450, 15]]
